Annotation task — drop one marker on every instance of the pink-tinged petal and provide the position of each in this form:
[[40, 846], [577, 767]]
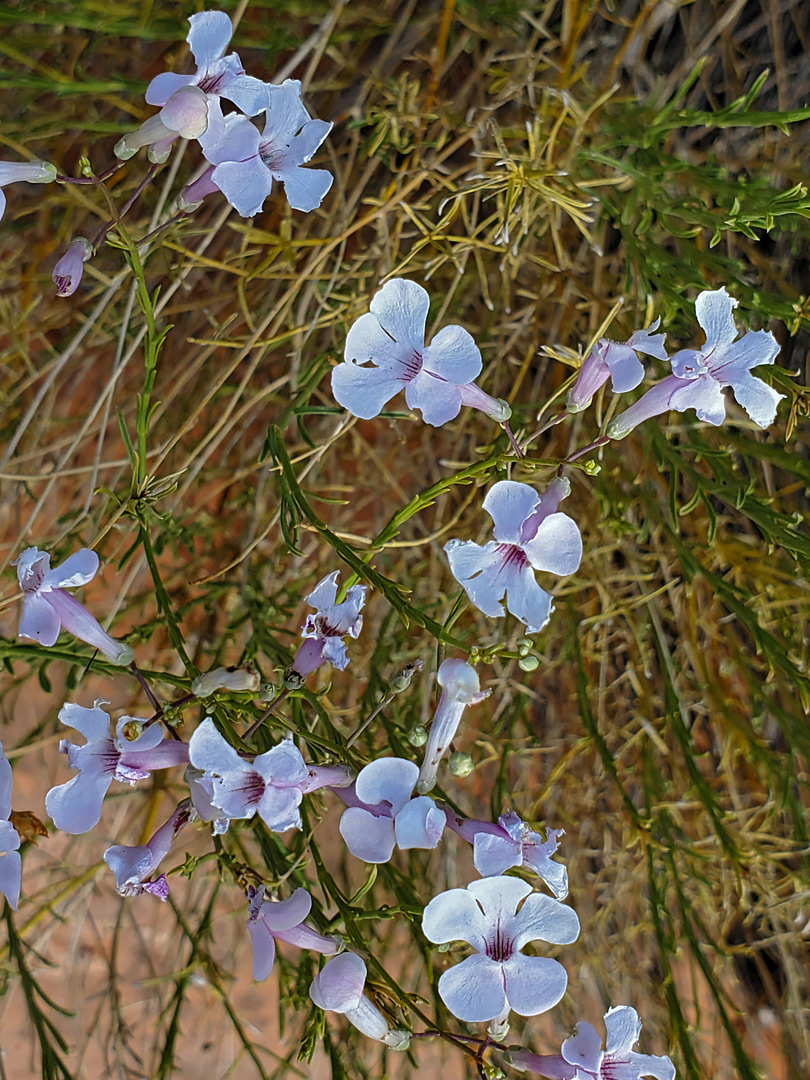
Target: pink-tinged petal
[[367, 837], [643, 1065], [77, 620], [401, 307], [245, 184], [284, 914], [310, 656], [499, 897], [282, 765], [11, 877], [419, 824], [209, 36], [67, 275], [547, 504], [278, 808], [454, 915], [593, 375], [453, 355], [688, 364], [715, 313], [757, 398], [246, 92], [367, 342], [438, 401], [525, 599], [264, 948], [542, 918], [494, 854], [554, 1066], [130, 865], [161, 88], [623, 1029], [93, 723], [585, 1048], [757, 347], [5, 786], [167, 754], [476, 569], [339, 986], [209, 752], [556, 547], [509, 504], [474, 989], [75, 807], [39, 620], [653, 403], [626, 370], [387, 779], [304, 146], [186, 112], [475, 398], [534, 984], [286, 114], [645, 341], [704, 396], [364, 391], [78, 569], [304, 937], [305, 188], [319, 776]]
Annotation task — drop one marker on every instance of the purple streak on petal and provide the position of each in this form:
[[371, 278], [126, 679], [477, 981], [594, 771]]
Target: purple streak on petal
[[67, 275], [367, 342]]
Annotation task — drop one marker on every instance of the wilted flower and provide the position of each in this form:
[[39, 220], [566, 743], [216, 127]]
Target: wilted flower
[[460, 688], [271, 786], [216, 74], [246, 162], [135, 866], [385, 352], [383, 814], [10, 860], [529, 535], [497, 848], [76, 806], [282, 920], [68, 271], [339, 988], [700, 374], [47, 608], [34, 172], [231, 678], [583, 1058], [615, 361], [499, 977], [323, 632]]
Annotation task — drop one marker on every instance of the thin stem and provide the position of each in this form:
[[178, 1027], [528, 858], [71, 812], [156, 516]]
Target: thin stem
[[133, 667], [254, 727], [175, 219], [558, 419], [601, 441], [512, 439], [389, 697], [95, 179], [150, 175]]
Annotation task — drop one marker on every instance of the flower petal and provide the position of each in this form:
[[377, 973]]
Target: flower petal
[[585, 1048], [454, 355], [623, 1028], [324, 594], [284, 914], [209, 751], [476, 569], [39, 620], [755, 348], [304, 146], [419, 824], [643, 1065], [757, 398], [304, 188], [161, 88], [688, 364], [499, 897], [626, 370], [231, 138], [264, 948], [209, 36], [339, 986], [401, 307], [77, 620], [246, 92], [437, 400], [364, 391], [5, 786], [454, 915], [704, 396], [644, 341], [93, 723], [77, 569], [714, 310], [657, 400], [509, 503], [367, 342], [75, 807], [11, 877], [474, 989], [334, 650], [278, 808], [387, 779], [533, 983], [282, 765], [494, 854], [245, 184], [367, 837], [556, 546], [129, 864], [525, 599], [542, 918], [286, 114]]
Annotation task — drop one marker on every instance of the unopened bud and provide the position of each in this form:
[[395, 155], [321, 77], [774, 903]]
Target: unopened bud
[[293, 680], [221, 678], [528, 663], [267, 692], [460, 764], [398, 1039], [402, 680], [417, 736]]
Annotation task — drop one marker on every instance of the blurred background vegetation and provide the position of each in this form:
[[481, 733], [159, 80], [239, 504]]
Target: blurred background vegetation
[[551, 172]]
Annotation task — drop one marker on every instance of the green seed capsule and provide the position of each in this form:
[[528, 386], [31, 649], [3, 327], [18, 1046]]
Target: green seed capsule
[[417, 736], [460, 764], [528, 663], [267, 692]]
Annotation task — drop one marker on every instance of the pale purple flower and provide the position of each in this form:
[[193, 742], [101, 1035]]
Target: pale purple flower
[[201, 789], [386, 352], [47, 608], [246, 162], [185, 114], [497, 848], [216, 74], [529, 535], [583, 1058], [615, 361], [324, 631], [134, 866], [383, 815], [14, 172], [69, 269], [10, 860], [76, 806], [271, 785], [282, 920], [699, 375], [339, 988], [460, 688], [499, 977]]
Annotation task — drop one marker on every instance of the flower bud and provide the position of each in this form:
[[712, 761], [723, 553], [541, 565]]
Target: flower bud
[[221, 678], [528, 663], [460, 764], [418, 735], [402, 680], [293, 680], [69, 269]]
